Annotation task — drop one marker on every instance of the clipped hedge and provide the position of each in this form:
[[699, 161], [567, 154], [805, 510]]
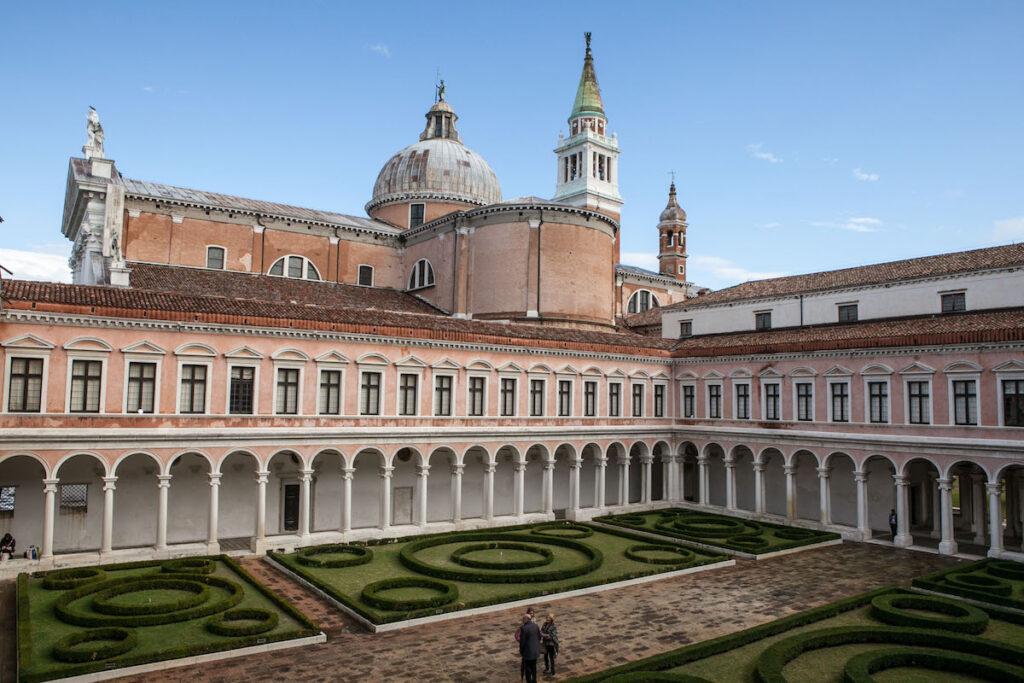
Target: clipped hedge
[[101, 600], [1005, 569], [222, 625], [685, 556], [359, 555], [546, 556], [940, 582], [958, 616], [371, 594], [706, 526], [553, 529], [189, 565], [107, 643], [981, 582], [63, 579], [859, 668], [655, 677]]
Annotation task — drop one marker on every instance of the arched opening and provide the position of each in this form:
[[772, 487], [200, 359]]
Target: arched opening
[[78, 513], [22, 500], [881, 494], [1012, 508], [774, 481], [284, 493], [639, 458], [533, 479], [328, 491], [613, 482], [136, 501], [842, 489], [689, 484], [188, 499], [715, 474], [970, 507], [506, 460], [405, 491], [366, 506], [923, 502], [475, 462], [440, 495], [660, 473], [807, 487], [238, 501], [561, 479], [743, 473], [588, 475]]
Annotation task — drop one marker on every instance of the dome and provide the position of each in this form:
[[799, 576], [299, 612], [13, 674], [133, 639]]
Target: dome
[[673, 213], [438, 167]]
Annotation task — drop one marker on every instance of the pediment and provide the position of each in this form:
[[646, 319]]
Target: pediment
[[480, 365], [331, 356], [769, 372], [838, 371], [962, 366], [686, 374], [616, 373], [568, 370], [195, 349], [373, 359], [290, 354], [741, 373], [803, 371], [1009, 366], [445, 364], [916, 368], [539, 367], [876, 369], [593, 370], [511, 367], [144, 347], [88, 344], [246, 352], [713, 374], [28, 341], [661, 375], [640, 374], [411, 362]]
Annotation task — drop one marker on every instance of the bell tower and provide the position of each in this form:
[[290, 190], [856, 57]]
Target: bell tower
[[588, 160], [672, 238]]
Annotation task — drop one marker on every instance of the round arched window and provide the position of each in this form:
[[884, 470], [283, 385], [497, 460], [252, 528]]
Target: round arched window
[[422, 275], [641, 301], [294, 266]]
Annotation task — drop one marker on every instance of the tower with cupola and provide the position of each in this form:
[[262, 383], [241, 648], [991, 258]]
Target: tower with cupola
[[672, 238], [588, 160]]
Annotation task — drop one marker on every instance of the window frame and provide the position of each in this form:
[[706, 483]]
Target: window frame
[[617, 393], [686, 328], [510, 409], [1001, 379], [831, 397], [953, 378], [423, 216], [564, 399], [421, 270], [759, 319], [223, 256], [157, 367], [452, 378], [713, 401], [692, 386], [591, 400], [767, 401], [658, 407], [43, 359], [845, 307], [736, 397], [957, 299], [797, 381], [535, 393], [8, 513], [652, 302], [470, 377], [908, 411], [255, 365], [71, 509], [72, 359], [299, 388], [359, 274], [320, 370], [364, 386], [307, 265], [634, 395], [206, 362], [886, 397], [401, 390]]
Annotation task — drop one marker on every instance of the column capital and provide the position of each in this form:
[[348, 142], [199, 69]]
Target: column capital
[[50, 484], [458, 469], [215, 478], [646, 459], [549, 465], [859, 476], [901, 479], [490, 467], [422, 470], [601, 461], [385, 471], [623, 460], [306, 474], [789, 469], [945, 484], [824, 472], [348, 472], [760, 466], [576, 463], [519, 466], [702, 459], [109, 483], [994, 488], [262, 476], [729, 462], [164, 480]]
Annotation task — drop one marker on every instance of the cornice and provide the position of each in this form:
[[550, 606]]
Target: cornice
[[872, 352]]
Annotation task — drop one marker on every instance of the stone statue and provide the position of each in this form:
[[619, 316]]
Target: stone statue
[[115, 248], [440, 92], [94, 147]]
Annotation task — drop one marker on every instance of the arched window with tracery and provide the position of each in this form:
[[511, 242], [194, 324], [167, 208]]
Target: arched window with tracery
[[641, 301], [422, 275], [294, 266]]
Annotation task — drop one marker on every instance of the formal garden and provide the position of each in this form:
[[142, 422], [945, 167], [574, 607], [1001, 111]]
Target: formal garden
[[424, 576], [730, 534], [991, 581], [94, 619], [885, 635]]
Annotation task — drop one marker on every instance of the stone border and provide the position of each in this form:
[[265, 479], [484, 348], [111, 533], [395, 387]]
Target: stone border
[[970, 601], [497, 607]]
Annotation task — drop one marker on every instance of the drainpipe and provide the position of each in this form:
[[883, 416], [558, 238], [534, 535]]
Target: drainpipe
[[801, 310]]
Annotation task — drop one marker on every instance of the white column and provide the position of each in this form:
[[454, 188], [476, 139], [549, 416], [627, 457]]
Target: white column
[[825, 495], [646, 468], [109, 484], [702, 478], [489, 490], [903, 537], [936, 511], [790, 471], [947, 546], [624, 481], [574, 483], [305, 503], [457, 471], [347, 473], [730, 483], [978, 507], [548, 487], [422, 474], [671, 478], [601, 466], [995, 519], [262, 477], [759, 506], [163, 485], [49, 502], [211, 533], [517, 487], [862, 505], [385, 497]]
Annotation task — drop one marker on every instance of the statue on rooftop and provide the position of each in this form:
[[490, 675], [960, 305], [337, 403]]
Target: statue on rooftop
[[94, 147], [440, 92]]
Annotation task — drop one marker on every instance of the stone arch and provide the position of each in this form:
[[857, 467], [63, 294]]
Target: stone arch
[[714, 467], [589, 480], [689, 483], [742, 457], [921, 475], [31, 456], [188, 498], [1011, 522], [774, 460], [880, 492], [284, 492], [136, 499], [440, 501], [405, 486], [639, 452], [807, 488], [842, 488], [564, 455], [79, 454], [191, 451], [616, 455], [661, 471], [366, 487], [535, 456], [971, 518], [327, 489], [505, 460], [25, 472], [237, 498], [78, 518], [238, 451]]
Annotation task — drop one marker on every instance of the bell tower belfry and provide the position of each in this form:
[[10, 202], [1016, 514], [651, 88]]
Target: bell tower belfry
[[588, 160], [672, 238]]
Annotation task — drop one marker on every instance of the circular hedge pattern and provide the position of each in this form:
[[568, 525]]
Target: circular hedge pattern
[[101, 601], [222, 624], [684, 555], [359, 555], [449, 592], [753, 543], [794, 533], [562, 530], [72, 578], [189, 565], [859, 668], [1005, 569], [546, 556], [708, 527], [637, 520], [981, 582], [951, 615], [103, 644], [74, 615], [654, 677]]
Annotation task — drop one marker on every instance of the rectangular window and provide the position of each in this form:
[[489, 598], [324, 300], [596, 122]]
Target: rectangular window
[[6, 501], [416, 215], [26, 385], [689, 400], [715, 400], [848, 313], [1013, 402], [638, 400], [508, 396], [476, 396], [685, 328], [536, 397], [366, 276], [241, 390], [771, 402], [614, 399], [408, 391], [443, 395], [878, 402], [590, 399], [763, 321], [330, 392], [287, 391], [952, 303], [564, 398], [840, 402], [369, 394], [918, 403], [215, 258], [86, 378], [193, 389], [141, 387], [805, 401], [965, 402], [659, 400], [74, 497], [742, 401]]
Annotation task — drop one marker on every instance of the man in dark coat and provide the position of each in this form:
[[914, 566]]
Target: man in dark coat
[[529, 649]]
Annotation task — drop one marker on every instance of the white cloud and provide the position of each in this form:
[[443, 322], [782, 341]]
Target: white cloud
[[863, 224], [381, 49], [147, 88], [861, 175], [1009, 230], [725, 270], [641, 260], [769, 226], [758, 151], [49, 266], [831, 161]]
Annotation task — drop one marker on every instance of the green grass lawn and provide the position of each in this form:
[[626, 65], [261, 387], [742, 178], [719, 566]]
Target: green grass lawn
[[40, 627], [346, 584], [720, 531], [996, 582], [736, 657]]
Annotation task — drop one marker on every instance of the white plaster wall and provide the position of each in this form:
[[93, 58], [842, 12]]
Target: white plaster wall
[[439, 490], [843, 491], [26, 524], [881, 493], [560, 478], [365, 492], [504, 488], [328, 493], [236, 505], [75, 530], [807, 489], [533, 499], [188, 500], [716, 481], [745, 483], [136, 503], [588, 480]]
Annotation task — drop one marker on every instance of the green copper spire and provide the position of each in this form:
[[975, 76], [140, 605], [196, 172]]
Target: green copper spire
[[588, 95]]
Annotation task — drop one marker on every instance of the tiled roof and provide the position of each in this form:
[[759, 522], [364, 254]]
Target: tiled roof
[[955, 328], [636, 270], [909, 269], [652, 316]]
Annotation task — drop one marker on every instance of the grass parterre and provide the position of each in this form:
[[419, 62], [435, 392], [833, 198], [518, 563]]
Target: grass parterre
[[78, 621], [720, 531], [423, 576], [991, 581]]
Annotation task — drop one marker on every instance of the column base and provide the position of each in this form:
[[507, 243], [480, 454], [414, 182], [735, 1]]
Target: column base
[[213, 548], [258, 545], [948, 548], [864, 534], [903, 540], [994, 552]]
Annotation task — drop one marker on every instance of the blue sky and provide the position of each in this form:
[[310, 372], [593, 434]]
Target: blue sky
[[804, 135]]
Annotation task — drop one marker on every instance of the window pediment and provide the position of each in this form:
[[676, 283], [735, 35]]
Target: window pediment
[[411, 362], [373, 359], [28, 341], [290, 354], [195, 349], [876, 369], [769, 373], [741, 373], [962, 366], [88, 344], [144, 347], [838, 371], [1009, 366], [331, 356], [803, 371], [244, 352], [713, 374], [916, 368], [445, 364]]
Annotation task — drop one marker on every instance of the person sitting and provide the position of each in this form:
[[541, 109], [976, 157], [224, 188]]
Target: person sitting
[[7, 546]]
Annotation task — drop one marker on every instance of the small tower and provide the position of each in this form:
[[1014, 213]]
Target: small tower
[[588, 160], [672, 238]]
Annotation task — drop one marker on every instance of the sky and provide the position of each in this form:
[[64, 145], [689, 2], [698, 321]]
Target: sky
[[804, 136]]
